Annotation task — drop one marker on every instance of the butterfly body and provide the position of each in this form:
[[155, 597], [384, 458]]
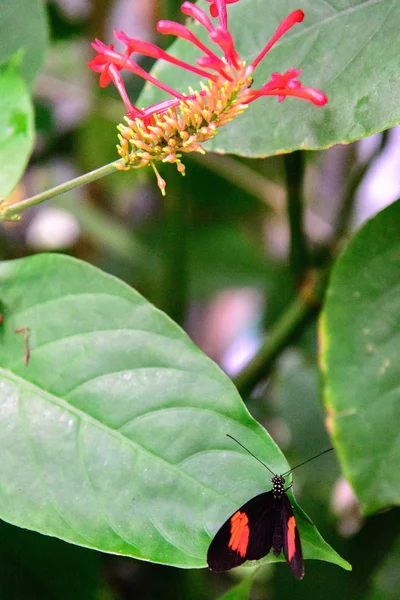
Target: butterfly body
[[263, 523]]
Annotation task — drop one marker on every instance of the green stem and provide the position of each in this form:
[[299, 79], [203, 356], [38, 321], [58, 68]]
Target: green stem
[[171, 10], [252, 182], [356, 176], [12, 211], [294, 171], [288, 326], [173, 299]]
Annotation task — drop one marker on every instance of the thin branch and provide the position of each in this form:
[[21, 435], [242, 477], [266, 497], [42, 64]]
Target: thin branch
[[173, 291], [294, 171], [356, 176], [248, 179], [287, 328], [12, 211]]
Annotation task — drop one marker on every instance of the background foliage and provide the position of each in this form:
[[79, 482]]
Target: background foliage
[[113, 436]]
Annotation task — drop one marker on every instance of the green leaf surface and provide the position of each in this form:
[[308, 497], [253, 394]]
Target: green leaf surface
[[16, 128], [360, 355], [347, 49], [23, 25], [113, 436]]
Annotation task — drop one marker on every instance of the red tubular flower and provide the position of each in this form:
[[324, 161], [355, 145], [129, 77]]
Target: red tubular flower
[[218, 8], [175, 126]]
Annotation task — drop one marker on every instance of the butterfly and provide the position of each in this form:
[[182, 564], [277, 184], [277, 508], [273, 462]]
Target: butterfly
[[264, 522]]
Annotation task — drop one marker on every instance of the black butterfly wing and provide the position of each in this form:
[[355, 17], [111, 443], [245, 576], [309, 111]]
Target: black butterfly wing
[[246, 535], [291, 540]]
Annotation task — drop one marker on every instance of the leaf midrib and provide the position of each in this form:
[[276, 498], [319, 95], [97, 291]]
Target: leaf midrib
[[61, 403]]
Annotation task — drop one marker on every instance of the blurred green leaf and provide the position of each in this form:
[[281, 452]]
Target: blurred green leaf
[[299, 420], [360, 356], [300, 405], [16, 128], [349, 52], [23, 25], [96, 143], [386, 581], [111, 234], [219, 257], [33, 566], [224, 256], [113, 437], [241, 591]]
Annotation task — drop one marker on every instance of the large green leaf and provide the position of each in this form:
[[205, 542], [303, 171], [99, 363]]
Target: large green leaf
[[361, 358], [113, 436], [23, 26], [348, 49], [16, 128]]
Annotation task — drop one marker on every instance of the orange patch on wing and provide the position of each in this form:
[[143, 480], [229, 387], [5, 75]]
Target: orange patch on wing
[[291, 538], [239, 533]]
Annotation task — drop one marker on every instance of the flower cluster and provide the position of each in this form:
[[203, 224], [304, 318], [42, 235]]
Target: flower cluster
[[166, 130]]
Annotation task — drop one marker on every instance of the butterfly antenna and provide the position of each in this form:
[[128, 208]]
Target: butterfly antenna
[[253, 455], [306, 461]]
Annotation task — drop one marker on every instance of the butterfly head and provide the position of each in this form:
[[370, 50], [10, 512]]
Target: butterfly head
[[278, 483]]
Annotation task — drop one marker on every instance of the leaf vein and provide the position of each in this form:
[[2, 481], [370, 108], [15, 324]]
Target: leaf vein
[[100, 507], [360, 50], [168, 539], [39, 471], [60, 403]]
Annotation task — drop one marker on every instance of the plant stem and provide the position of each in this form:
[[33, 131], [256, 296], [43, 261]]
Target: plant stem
[[12, 211], [294, 171], [172, 11], [248, 179], [356, 176], [288, 326], [173, 292]]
